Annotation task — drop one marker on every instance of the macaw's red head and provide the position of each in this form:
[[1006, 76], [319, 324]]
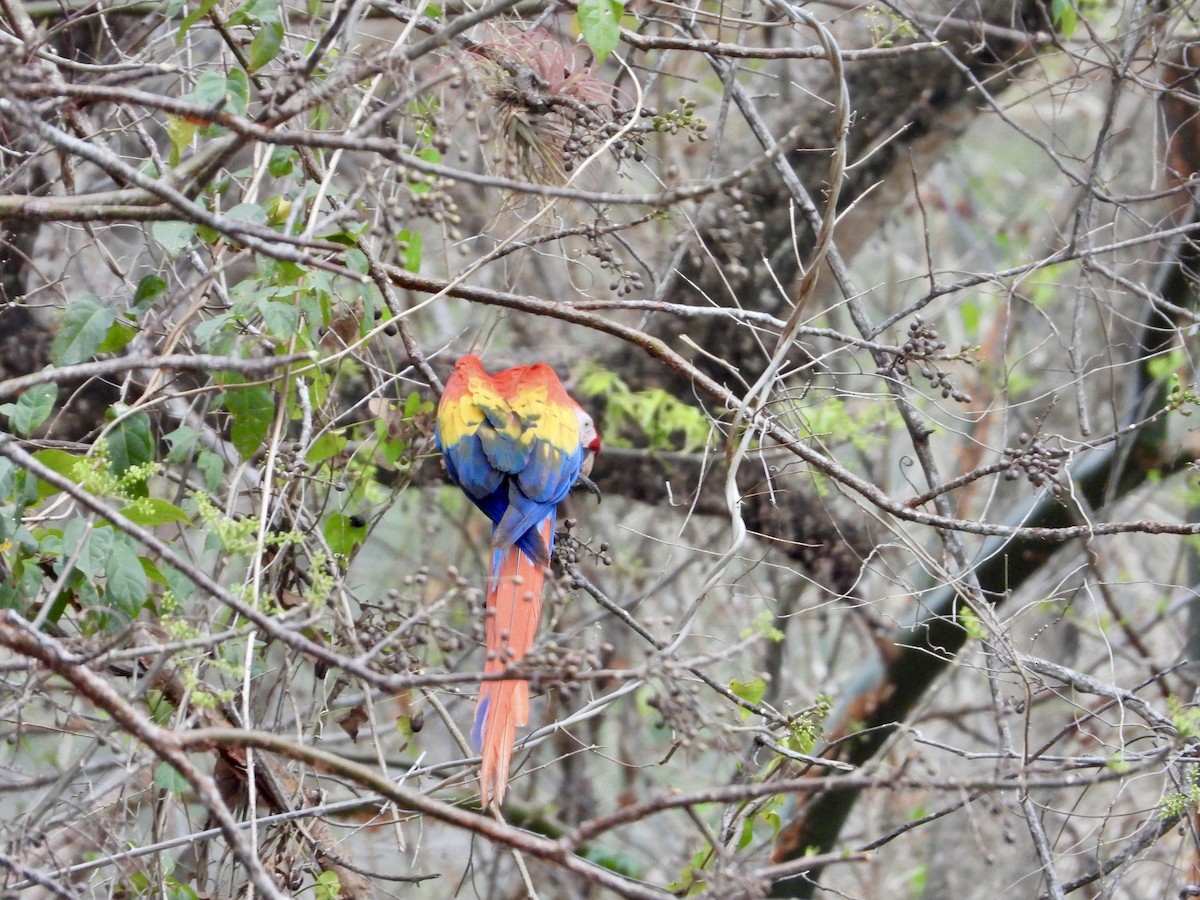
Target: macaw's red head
[[589, 440]]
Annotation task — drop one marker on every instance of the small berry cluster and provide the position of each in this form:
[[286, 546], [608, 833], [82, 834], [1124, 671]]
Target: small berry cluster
[[923, 348], [625, 281], [1040, 463], [676, 701]]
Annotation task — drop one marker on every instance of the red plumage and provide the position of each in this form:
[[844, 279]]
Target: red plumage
[[515, 442]]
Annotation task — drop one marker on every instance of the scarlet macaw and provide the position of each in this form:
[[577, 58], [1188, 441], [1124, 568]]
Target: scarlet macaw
[[515, 442]]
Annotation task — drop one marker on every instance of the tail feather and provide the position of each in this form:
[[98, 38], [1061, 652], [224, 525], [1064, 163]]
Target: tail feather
[[514, 608]]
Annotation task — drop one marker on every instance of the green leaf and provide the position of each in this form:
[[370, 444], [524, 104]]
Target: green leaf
[[32, 408], [283, 160], [343, 537], [192, 18], [173, 236], [265, 45], [1065, 16], [747, 833], [181, 441], [248, 212], [327, 886], [252, 409], [281, 319], [94, 546], [969, 312], [131, 443], [210, 90], [59, 461], [213, 468], [83, 329], [327, 445], [181, 133], [750, 691], [150, 511], [148, 290], [410, 243], [126, 586], [167, 778], [119, 335], [237, 89], [599, 21]]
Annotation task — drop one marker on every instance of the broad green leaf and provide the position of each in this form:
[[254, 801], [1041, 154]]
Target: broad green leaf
[[1065, 16], [126, 586], [192, 18], [265, 45], [181, 441], [282, 161], [173, 236], [750, 691], [83, 330], [181, 133], [213, 468], [89, 545], [252, 409], [148, 290], [281, 319], [327, 445], [59, 461], [26, 582], [747, 833], [119, 335], [167, 778], [32, 408], [410, 243], [599, 21], [278, 210], [342, 536], [237, 86], [153, 572], [210, 90], [131, 442], [248, 212], [208, 333], [150, 511], [327, 886]]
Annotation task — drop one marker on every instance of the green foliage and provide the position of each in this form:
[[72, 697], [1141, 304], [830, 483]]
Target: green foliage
[[764, 626], [886, 27], [864, 426], [1185, 718], [327, 886], [344, 534], [614, 860], [167, 778], [600, 24], [409, 242], [174, 237], [252, 409], [83, 330], [917, 879], [1176, 803], [32, 408], [659, 418], [807, 729], [690, 882], [750, 691], [971, 624]]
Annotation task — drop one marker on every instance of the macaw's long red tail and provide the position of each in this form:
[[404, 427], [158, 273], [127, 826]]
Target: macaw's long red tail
[[514, 608]]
